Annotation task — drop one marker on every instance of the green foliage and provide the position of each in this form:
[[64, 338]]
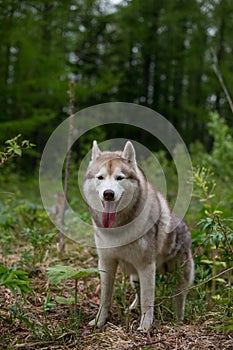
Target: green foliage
[[59, 273], [204, 185], [220, 159], [15, 313], [14, 147], [213, 239], [39, 245], [215, 165], [48, 303], [221, 145], [16, 280], [25, 222]]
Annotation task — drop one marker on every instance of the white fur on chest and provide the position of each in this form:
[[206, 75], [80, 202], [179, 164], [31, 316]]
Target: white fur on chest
[[136, 253]]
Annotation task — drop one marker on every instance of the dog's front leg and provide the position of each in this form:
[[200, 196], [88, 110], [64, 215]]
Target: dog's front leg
[[107, 276], [147, 292]]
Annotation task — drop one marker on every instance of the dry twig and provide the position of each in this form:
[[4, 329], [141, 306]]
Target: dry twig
[[67, 168]]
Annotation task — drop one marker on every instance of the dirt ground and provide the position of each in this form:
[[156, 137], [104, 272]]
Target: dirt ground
[[39, 323], [56, 330], [114, 337]]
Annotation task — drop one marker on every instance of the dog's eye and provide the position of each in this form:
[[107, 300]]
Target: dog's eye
[[100, 177], [119, 178]]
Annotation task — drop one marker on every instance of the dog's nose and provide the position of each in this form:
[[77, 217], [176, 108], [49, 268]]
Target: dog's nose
[[109, 195]]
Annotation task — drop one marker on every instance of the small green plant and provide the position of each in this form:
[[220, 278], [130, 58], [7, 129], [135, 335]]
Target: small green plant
[[204, 185], [39, 245], [15, 313], [14, 147], [16, 280], [218, 243], [18, 283], [59, 273], [49, 303]]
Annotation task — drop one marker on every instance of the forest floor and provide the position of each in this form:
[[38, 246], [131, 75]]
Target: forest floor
[[39, 323]]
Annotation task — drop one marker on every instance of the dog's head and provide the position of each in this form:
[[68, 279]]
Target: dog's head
[[111, 182]]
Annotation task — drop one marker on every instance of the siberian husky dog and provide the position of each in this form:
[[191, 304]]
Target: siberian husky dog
[[134, 228]]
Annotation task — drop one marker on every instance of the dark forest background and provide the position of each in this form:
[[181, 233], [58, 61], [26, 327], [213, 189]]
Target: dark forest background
[[155, 53]]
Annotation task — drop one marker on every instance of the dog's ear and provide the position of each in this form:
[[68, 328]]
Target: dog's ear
[[95, 151], [129, 152]]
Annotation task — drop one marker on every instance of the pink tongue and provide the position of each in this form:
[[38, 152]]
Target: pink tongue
[[108, 216]]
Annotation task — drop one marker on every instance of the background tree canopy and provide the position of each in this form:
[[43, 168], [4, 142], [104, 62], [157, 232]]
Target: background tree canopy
[[155, 53]]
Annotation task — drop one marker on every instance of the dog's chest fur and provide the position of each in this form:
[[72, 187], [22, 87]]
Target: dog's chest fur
[[155, 246]]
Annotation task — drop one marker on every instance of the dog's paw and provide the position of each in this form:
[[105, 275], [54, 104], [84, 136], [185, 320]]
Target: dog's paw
[[145, 325], [101, 318], [93, 323], [97, 322], [143, 329]]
